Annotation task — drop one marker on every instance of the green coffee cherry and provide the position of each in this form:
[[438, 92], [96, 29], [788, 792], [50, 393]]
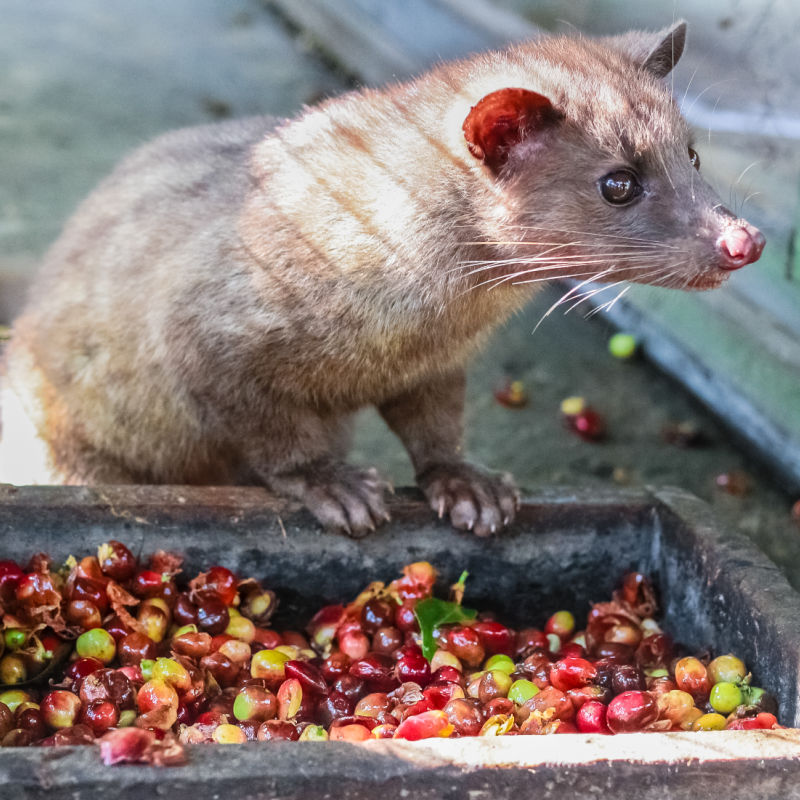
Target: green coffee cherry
[[725, 697], [622, 345], [501, 662], [15, 638], [522, 690], [96, 643]]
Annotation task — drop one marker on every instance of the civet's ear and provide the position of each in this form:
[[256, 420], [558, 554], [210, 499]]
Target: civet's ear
[[502, 119], [658, 53]]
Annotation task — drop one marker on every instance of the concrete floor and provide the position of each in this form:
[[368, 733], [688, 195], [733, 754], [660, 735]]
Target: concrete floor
[[84, 82]]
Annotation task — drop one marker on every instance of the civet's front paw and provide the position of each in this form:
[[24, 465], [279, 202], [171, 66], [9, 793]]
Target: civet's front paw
[[476, 500], [342, 497]]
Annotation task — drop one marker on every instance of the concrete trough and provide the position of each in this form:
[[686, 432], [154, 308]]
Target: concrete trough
[[566, 550]]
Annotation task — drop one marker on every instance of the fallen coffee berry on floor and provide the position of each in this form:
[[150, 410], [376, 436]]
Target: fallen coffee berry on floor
[[623, 345], [128, 655], [582, 419], [511, 394]]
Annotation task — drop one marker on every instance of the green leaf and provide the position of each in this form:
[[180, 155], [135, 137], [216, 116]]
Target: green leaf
[[431, 613]]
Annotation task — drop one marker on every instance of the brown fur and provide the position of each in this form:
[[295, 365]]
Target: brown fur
[[221, 304]]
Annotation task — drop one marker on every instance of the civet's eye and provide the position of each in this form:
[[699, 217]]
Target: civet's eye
[[694, 158], [620, 187]]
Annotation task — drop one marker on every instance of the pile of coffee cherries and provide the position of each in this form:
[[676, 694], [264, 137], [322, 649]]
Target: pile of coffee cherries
[[151, 663]]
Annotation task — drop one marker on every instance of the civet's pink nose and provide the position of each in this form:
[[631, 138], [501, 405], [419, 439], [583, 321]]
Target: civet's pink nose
[[739, 245]]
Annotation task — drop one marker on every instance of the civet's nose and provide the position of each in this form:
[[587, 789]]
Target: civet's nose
[[740, 244]]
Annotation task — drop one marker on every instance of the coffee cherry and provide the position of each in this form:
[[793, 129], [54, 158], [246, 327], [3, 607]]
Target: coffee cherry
[[351, 687], [14, 638], [32, 720], [562, 624], [158, 701], [60, 709], [116, 561], [255, 703], [108, 684], [570, 673], [511, 394], [334, 666], [427, 725], [631, 711], [522, 690], [354, 644], [153, 616], [218, 583], [405, 619], [495, 637], [466, 645], [677, 706], [84, 614], [757, 700], [276, 729], [17, 737], [654, 651], [376, 614], [92, 591], [528, 640], [725, 697], [548, 698], [192, 644], [35, 591], [212, 615], [135, 646], [691, 676], [709, 722], [148, 583], [376, 670], [334, 706], [6, 720], [324, 625], [229, 734], [501, 662], [116, 627], [412, 666], [310, 678], [352, 732], [627, 678], [100, 716], [441, 658], [241, 628], [314, 733], [172, 672], [372, 705], [589, 425], [96, 643], [622, 345], [591, 718], [726, 668], [184, 612], [12, 699], [269, 664], [440, 693], [224, 670], [13, 669], [582, 419], [763, 721], [259, 605], [387, 639]]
